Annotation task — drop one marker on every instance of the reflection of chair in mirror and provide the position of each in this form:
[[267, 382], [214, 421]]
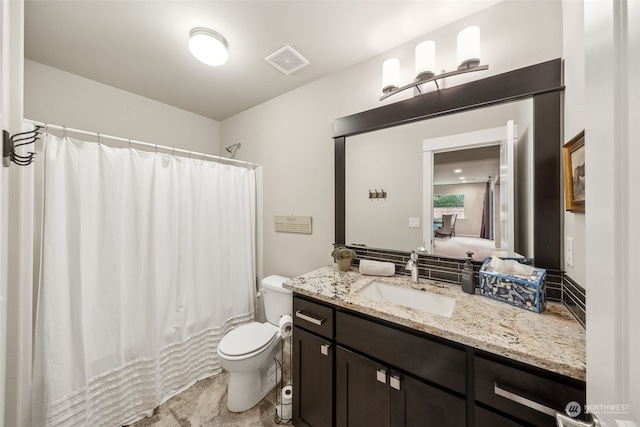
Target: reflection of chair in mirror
[[453, 224], [445, 230]]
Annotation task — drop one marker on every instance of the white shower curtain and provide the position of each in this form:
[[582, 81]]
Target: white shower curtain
[[148, 259]]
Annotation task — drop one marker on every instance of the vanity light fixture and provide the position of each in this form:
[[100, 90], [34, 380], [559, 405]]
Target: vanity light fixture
[[208, 46], [468, 50]]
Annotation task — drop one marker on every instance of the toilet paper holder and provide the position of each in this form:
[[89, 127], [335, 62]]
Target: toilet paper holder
[[285, 405], [284, 394]]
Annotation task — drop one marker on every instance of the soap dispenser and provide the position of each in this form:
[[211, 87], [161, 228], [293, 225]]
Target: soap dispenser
[[468, 284]]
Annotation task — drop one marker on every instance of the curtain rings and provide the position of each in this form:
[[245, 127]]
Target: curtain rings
[[64, 132], [156, 148], [98, 133], [129, 144]]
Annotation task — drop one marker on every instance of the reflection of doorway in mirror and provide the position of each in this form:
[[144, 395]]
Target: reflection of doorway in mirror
[[470, 164], [471, 198]]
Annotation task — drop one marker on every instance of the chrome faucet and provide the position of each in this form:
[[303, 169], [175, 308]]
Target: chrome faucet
[[413, 266]]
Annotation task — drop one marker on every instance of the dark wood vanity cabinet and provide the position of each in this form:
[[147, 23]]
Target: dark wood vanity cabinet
[[369, 393], [528, 395], [312, 379], [313, 355], [484, 417], [353, 370], [389, 377]]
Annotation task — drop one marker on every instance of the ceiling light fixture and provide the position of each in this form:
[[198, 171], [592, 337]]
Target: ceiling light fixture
[[457, 170], [208, 46], [468, 61]]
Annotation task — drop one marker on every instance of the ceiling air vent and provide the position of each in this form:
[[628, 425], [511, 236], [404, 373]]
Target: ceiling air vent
[[287, 60]]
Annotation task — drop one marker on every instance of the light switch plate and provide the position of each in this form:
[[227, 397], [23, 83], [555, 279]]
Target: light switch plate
[[568, 251], [414, 222]]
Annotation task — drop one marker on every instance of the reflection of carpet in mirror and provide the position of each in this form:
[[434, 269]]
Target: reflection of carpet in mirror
[[459, 245]]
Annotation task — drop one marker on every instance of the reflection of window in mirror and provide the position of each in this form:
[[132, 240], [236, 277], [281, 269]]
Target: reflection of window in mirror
[[446, 204]]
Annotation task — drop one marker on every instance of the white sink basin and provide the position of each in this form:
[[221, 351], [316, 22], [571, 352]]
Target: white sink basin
[[420, 300]]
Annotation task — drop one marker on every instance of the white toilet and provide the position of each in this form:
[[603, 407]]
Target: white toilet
[[248, 351]]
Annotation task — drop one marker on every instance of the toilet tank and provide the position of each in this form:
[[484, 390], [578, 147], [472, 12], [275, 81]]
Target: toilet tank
[[278, 301]]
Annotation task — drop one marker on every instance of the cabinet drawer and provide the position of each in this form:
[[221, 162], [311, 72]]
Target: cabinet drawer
[[484, 417], [513, 390], [422, 357], [313, 317]]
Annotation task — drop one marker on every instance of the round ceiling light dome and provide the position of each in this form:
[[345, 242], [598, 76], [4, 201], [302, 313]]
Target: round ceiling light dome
[[208, 46]]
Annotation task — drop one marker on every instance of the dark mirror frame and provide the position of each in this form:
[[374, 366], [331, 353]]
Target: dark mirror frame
[[541, 82]]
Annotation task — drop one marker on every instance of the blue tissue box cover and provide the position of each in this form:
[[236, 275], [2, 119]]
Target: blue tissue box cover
[[529, 293]]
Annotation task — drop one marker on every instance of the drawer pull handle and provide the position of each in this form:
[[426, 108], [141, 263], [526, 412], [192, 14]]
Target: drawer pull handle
[[310, 318], [523, 401], [381, 375], [563, 420], [394, 382]]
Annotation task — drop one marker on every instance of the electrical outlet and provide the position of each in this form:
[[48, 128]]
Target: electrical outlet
[[568, 251], [414, 222]]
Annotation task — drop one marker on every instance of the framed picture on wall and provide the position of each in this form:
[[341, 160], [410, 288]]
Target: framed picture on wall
[[574, 173]]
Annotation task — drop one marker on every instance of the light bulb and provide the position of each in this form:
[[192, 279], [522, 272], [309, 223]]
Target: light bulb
[[469, 47], [390, 74], [208, 46], [425, 60]]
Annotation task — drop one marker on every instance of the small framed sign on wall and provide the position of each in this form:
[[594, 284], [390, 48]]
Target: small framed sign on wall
[[573, 154], [293, 224]]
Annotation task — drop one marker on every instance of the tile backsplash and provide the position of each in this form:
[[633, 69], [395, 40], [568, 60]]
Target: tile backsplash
[[574, 298], [560, 287]]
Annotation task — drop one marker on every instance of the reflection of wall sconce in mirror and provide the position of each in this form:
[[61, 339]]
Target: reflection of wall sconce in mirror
[[377, 194]]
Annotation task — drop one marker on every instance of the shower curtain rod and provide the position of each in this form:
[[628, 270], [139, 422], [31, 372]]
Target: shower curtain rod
[[173, 150]]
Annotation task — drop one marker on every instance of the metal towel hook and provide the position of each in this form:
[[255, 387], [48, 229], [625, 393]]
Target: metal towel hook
[[10, 143]]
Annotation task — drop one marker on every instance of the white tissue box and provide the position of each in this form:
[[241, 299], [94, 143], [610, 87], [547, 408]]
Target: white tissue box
[[528, 293]]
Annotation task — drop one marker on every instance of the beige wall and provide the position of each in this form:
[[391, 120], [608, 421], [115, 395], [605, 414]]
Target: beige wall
[[574, 121], [57, 97], [292, 134]]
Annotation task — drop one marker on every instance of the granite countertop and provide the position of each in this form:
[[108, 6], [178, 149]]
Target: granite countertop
[[551, 340]]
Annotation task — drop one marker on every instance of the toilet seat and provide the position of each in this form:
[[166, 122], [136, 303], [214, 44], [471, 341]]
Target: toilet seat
[[247, 339]]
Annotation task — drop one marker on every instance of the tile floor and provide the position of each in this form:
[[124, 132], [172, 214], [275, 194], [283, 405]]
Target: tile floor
[[205, 405]]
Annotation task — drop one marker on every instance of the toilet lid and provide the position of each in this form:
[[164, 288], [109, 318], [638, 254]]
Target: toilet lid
[[247, 339]]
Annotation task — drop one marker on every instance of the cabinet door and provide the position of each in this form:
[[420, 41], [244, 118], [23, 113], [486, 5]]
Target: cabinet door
[[362, 391], [312, 380], [416, 404]]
